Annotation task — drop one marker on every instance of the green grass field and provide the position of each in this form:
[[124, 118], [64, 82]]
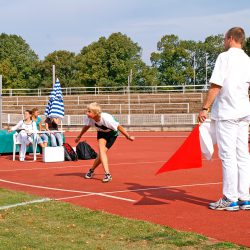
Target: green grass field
[[59, 225]]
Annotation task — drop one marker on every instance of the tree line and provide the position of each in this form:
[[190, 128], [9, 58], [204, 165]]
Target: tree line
[[108, 61]]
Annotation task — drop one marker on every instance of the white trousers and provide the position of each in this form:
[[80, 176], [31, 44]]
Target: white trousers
[[232, 141], [25, 140]]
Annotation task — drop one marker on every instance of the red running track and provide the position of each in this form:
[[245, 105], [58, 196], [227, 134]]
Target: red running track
[[177, 199]]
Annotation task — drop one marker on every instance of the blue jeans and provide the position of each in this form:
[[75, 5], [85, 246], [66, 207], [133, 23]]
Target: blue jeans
[[56, 138], [42, 138]]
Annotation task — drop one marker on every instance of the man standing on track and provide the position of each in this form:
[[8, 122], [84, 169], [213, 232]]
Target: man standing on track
[[231, 112]]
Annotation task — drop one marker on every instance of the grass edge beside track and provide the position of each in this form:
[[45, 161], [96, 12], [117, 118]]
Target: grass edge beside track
[[59, 225]]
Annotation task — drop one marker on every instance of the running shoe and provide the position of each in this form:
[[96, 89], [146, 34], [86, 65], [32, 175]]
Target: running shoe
[[90, 174], [244, 205], [107, 178], [224, 204]]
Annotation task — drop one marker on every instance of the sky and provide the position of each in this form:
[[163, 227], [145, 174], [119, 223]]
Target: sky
[[49, 25]]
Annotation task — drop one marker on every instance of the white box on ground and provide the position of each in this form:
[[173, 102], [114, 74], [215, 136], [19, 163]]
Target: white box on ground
[[53, 154]]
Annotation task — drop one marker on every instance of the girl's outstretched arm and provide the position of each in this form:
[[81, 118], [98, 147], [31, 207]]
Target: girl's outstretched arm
[[84, 129], [125, 133]]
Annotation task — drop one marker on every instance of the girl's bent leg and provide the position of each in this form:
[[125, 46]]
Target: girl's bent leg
[[59, 139], [53, 140], [103, 154], [96, 163]]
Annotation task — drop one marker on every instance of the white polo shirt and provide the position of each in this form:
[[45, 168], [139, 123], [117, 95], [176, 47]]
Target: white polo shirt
[[232, 73]]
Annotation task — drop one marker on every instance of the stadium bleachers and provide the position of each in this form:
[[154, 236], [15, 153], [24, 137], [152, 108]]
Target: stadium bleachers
[[166, 103]]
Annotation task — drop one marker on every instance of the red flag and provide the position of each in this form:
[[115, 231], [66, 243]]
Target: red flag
[[187, 156]]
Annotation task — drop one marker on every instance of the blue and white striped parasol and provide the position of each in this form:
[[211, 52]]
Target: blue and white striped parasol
[[55, 106]]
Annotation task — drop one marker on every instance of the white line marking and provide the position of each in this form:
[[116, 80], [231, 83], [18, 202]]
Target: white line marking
[[98, 194], [141, 136], [90, 165], [115, 197], [25, 203], [44, 187], [73, 197], [110, 192], [81, 166], [163, 187], [60, 199], [66, 190]]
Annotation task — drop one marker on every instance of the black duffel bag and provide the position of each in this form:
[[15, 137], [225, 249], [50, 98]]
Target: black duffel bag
[[84, 151]]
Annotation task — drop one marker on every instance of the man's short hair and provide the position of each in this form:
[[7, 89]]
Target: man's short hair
[[237, 33]]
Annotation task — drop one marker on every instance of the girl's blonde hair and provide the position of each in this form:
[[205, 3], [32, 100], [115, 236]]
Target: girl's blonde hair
[[95, 108]]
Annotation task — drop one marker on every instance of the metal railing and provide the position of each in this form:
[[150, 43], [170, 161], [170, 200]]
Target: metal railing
[[138, 120], [105, 90], [114, 108]]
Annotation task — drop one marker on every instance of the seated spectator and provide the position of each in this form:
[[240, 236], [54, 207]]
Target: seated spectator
[[51, 124], [26, 129], [35, 117]]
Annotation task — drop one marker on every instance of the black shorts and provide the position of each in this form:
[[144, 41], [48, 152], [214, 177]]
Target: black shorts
[[109, 137]]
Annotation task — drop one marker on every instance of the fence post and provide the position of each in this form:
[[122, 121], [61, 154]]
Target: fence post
[[193, 118], [129, 122], [162, 119], [69, 122]]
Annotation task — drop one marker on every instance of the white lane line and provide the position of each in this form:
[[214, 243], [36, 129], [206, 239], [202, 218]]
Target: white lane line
[[25, 203], [60, 199], [66, 190], [92, 194], [115, 197], [73, 197], [81, 166], [163, 187], [90, 165], [44, 187], [141, 136], [107, 194]]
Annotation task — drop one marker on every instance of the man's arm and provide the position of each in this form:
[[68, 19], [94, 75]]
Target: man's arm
[[212, 93]]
